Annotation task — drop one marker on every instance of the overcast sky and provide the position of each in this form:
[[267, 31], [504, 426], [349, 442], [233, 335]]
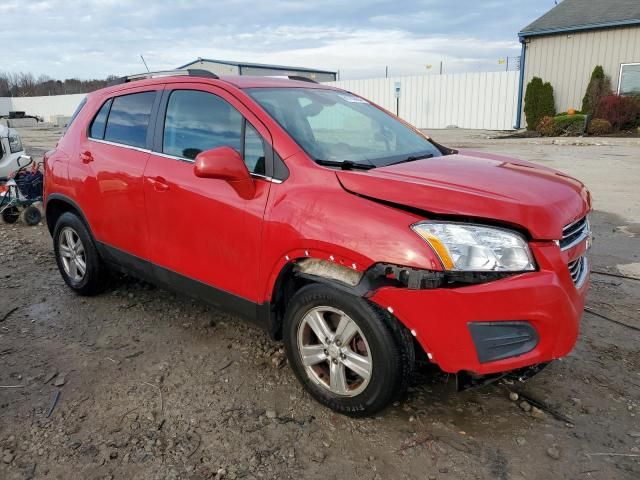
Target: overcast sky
[[95, 38]]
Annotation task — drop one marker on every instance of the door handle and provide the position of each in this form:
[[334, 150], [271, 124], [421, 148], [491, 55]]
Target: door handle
[[86, 157], [159, 184]]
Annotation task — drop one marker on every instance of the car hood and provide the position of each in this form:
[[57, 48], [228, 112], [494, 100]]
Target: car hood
[[475, 184]]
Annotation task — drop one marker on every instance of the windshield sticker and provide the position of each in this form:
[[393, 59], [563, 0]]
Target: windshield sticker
[[352, 98]]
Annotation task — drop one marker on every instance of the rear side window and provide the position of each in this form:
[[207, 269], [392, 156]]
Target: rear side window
[[129, 119], [100, 121]]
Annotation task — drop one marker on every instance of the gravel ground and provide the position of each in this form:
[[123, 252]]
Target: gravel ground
[[140, 383]]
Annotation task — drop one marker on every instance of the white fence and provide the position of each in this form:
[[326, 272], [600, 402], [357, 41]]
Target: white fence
[[465, 100], [45, 107]]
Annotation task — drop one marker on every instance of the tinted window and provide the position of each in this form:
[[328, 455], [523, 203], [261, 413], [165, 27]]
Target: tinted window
[[198, 121], [129, 119], [100, 121], [254, 155]]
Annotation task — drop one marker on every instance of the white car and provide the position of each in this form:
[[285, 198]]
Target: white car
[[10, 150]]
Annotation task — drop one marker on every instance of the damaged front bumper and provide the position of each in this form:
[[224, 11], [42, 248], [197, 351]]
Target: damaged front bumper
[[495, 327]]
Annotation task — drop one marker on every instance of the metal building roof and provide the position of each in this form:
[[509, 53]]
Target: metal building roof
[[258, 65], [575, 15]]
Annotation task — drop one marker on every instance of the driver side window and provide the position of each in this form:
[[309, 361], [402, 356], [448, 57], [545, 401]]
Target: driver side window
[[197, 121]]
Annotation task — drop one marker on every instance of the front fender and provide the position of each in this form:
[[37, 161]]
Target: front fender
[[311, 215]]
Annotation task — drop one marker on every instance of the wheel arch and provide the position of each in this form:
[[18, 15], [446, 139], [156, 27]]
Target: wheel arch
[[58, 204], [302, 267], [299, 271], [290, 278]]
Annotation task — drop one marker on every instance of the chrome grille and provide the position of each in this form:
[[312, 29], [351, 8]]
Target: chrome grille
[[574, 233], [578, 270]]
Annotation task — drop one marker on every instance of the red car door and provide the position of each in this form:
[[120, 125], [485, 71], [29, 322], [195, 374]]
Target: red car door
[[202, 234], [109, 171]]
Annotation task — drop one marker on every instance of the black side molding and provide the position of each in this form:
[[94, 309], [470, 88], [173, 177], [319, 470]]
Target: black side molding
[[258, 314]]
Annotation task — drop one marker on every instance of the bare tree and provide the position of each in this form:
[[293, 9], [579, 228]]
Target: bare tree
[[23, 84]]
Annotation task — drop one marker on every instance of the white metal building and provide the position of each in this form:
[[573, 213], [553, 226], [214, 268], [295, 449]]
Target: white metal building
[[565, 45], [224, 67]]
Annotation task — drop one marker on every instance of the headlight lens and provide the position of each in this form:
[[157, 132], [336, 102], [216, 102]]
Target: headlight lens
[[476, 248], [15, 144]]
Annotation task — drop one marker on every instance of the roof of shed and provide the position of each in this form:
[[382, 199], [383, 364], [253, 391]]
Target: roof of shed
[[575, 15], [257, 65]]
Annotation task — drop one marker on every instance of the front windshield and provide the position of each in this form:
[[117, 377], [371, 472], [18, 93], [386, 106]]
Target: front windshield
[[336, 126]]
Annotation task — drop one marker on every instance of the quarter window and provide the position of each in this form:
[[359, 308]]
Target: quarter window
[[629, 79], [100, 121], [254, 155], [129, 119]]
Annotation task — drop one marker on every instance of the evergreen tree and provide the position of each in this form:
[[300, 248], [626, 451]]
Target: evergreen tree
[[538, 102], [599, 86]]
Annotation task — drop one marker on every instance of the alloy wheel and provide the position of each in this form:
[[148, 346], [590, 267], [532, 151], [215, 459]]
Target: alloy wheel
[[334, 351], [72, 254]]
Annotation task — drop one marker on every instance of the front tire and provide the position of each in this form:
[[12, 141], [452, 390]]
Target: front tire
[[349, 354], [76, 255]]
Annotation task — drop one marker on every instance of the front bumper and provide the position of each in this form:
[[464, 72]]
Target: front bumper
[[547, 299]]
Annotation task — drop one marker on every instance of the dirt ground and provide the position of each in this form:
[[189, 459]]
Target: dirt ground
[[138, 383]]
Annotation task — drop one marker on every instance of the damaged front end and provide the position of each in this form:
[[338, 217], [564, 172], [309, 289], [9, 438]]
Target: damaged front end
[[380, 275]]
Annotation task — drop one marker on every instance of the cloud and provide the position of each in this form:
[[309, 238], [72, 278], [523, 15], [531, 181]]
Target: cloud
[[95, 38]]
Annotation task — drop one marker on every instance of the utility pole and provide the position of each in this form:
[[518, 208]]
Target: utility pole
[[440, 67], [386, 72]]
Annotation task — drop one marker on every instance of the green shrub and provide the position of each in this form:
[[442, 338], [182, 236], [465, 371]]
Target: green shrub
[[546, 127], [569, 125], [599, 86], [538, 102], [599, 126]]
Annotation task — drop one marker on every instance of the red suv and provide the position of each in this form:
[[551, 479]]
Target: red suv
[[331, 223]]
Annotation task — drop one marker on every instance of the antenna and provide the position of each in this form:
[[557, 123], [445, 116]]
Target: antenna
[[145, 63]]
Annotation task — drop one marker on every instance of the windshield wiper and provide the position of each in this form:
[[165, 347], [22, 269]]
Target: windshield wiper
[[412, 159], [345, 165]]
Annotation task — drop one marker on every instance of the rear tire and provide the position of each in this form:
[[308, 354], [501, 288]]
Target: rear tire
[[32, 216], [10, 215], [77, 257], [363, 363]]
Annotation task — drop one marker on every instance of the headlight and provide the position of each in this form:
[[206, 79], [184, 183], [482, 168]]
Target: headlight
[[15, 144], [476, 248]]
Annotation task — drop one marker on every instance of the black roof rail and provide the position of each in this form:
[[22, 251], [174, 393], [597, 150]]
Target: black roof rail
[[165, 73], [301, 78]]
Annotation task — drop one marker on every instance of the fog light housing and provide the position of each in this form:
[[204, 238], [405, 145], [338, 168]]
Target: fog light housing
[[499, 340]]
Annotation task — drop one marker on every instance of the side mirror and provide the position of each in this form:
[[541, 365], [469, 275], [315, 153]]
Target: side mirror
[[225, 163]]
